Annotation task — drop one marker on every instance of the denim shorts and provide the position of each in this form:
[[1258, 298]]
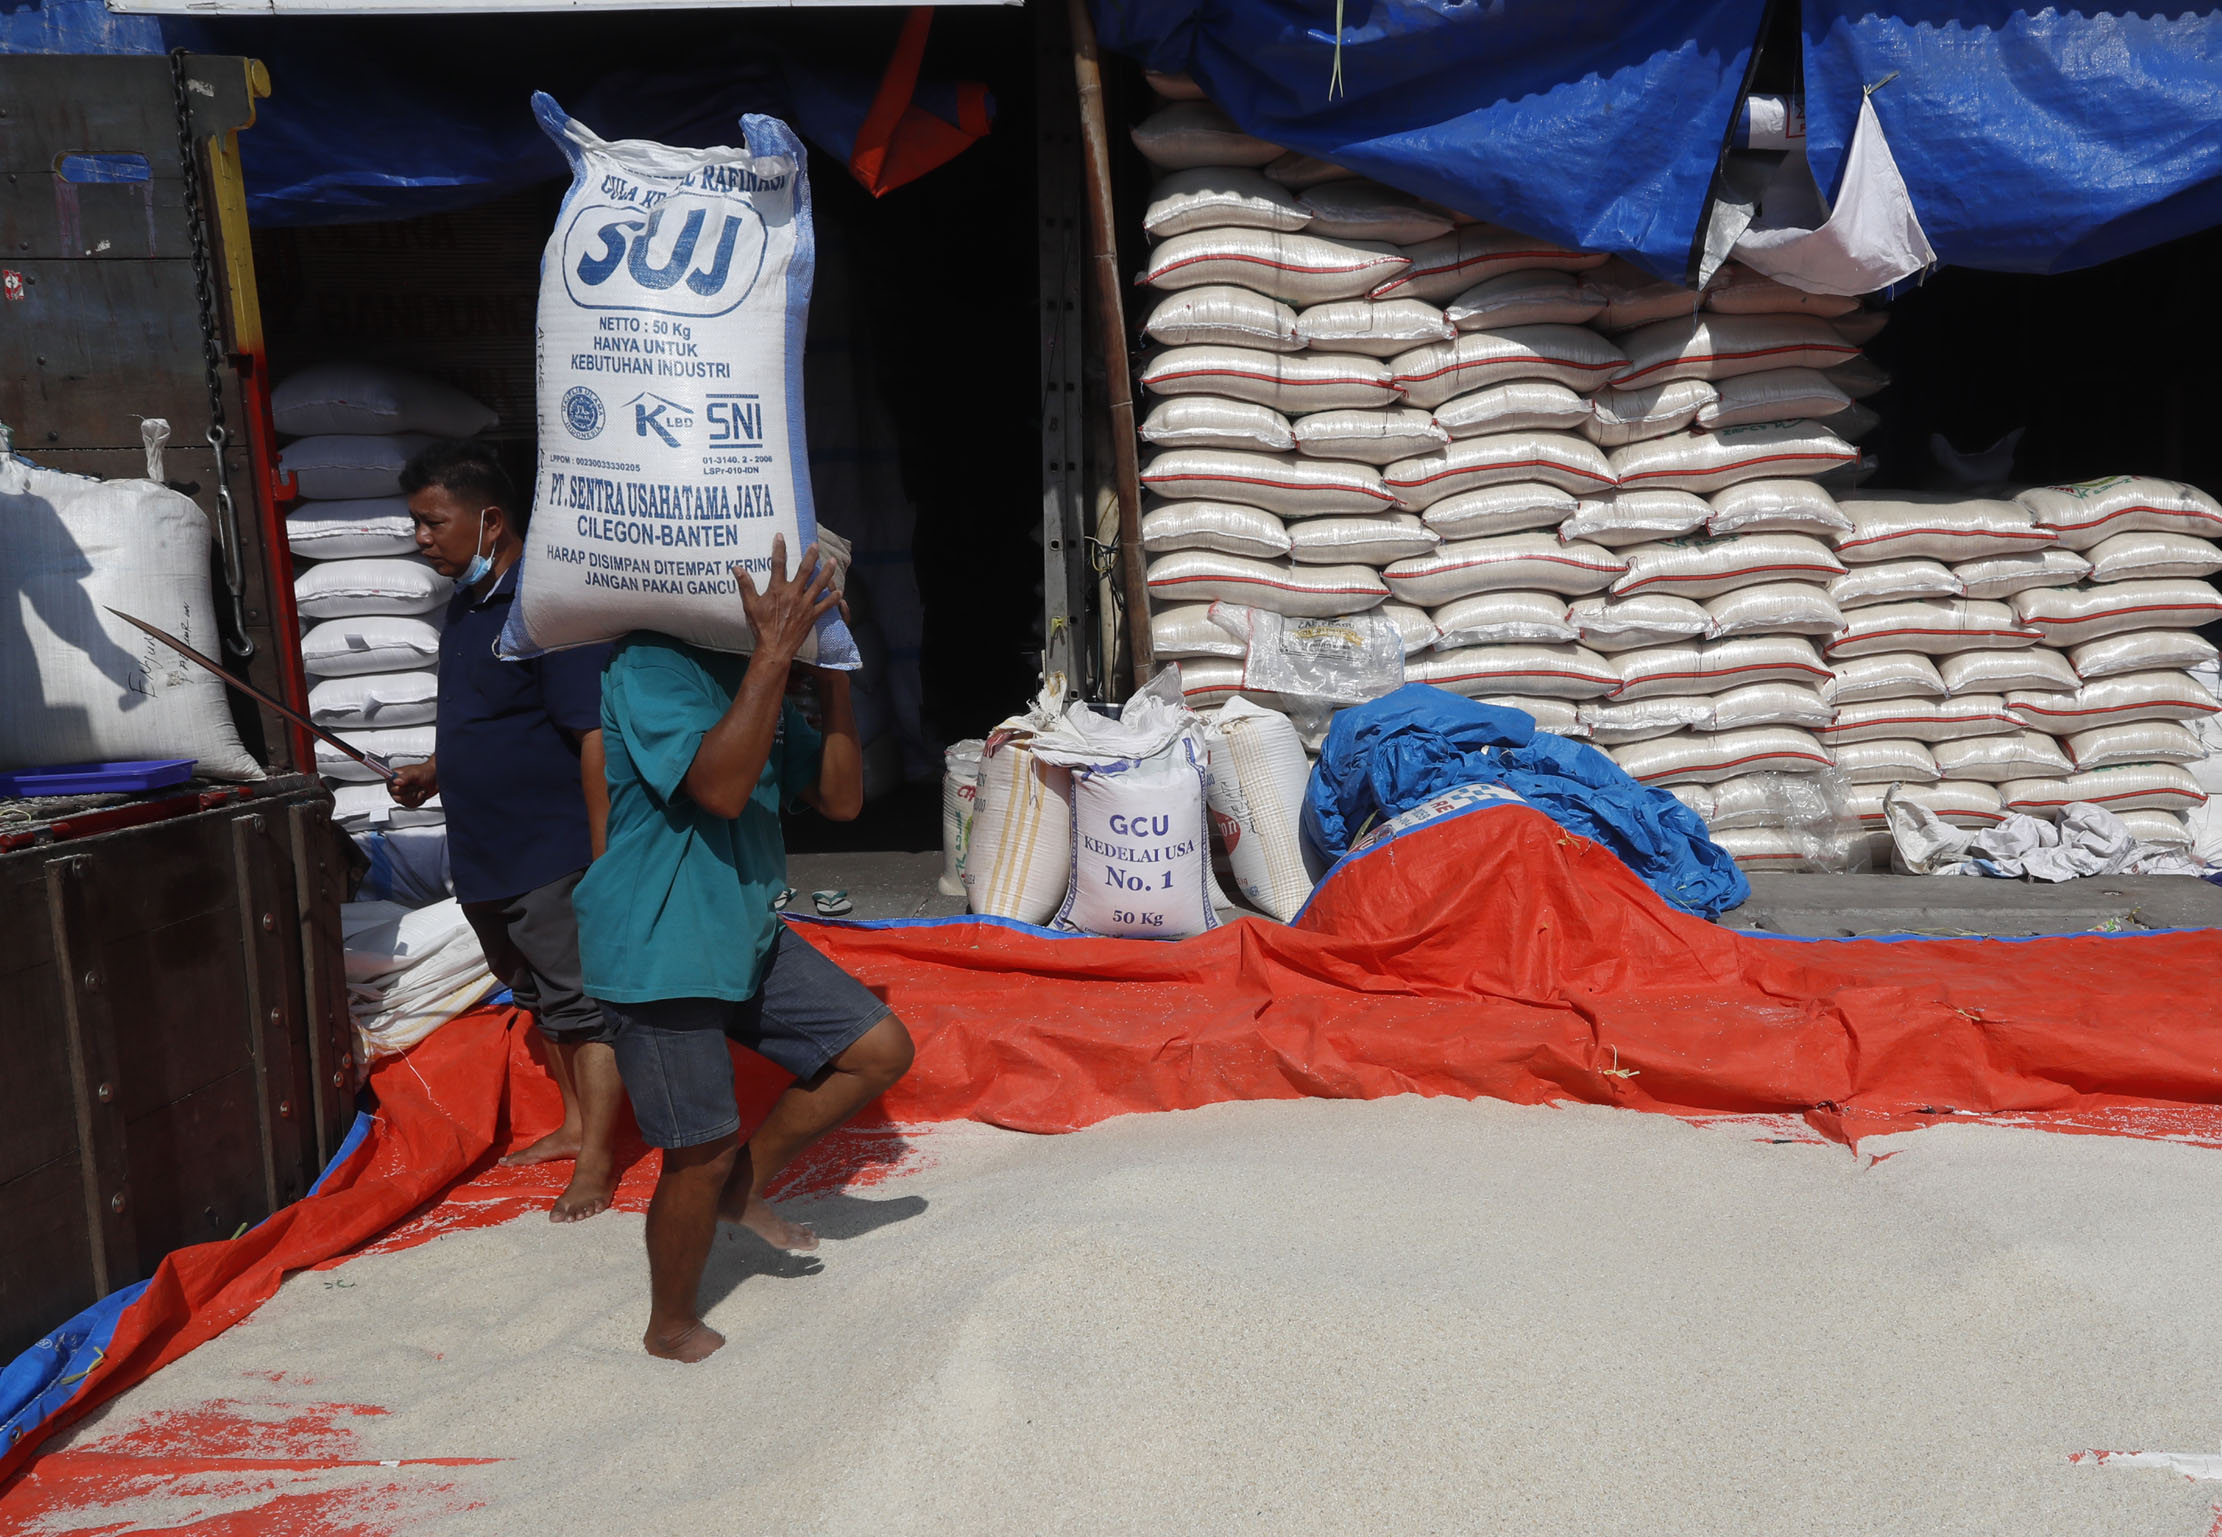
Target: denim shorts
[[671, 1051]]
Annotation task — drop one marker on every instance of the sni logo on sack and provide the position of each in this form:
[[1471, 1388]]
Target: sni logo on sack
[[689, 255]]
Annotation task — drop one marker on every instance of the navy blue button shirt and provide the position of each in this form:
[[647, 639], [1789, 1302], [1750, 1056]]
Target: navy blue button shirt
[[509, 776]]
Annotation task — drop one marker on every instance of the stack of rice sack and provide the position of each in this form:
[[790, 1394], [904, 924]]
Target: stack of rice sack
[[371, 607]]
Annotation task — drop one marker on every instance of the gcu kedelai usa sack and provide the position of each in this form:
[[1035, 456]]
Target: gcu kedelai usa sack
[[674, 294]]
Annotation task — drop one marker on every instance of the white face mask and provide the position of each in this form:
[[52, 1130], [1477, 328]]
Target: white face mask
[[481, 562]]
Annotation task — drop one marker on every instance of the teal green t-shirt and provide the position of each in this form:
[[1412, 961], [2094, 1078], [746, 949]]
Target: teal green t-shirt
[[680, 903]]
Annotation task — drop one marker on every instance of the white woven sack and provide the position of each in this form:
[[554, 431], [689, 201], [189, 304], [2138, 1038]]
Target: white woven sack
[[2150, 556], [1892, 675], [1613, 723], [1312, 592], [1517, 405], [1738, 290], [378, 699], [2084, 514], [1621, 417], [1258, 777], [367, 529], [1293, 382], [372, 398], [1706, 568], [1718, 347], [1299, 269], [2001, 576], [1377, 330], [1297, 170], [1557, 716], [1210, 421], [1574, 356], [400, 746], [1713, 666], [2165, 828], [1902, 525], [1937, 627], [1554, 458], [1376, 539], [1511, 507], [1775, 608], [1652, 619], [1537, 562], [960, 789], [1886, 761], [1633, 297], [2009, 755], [1921, 720], [1446, 267], [1018, 859], [1859, 376], [1557, 672], [1220, 197], [1185, 135], [1293, 487], [1209, 682], [350, 466], [1766, 849], [1352, 208], [1369, 437], [1227, 527], [1141, 846], [1776, 507], [1185, 630], [1704, 757], [1503, 619], [1222, 315], [1999, 672], [368, 643], [1894, 581], [2114, 701], [1959, 803], [334, 589], [1770, 704], [1714, 461], [1776, 395], [1617, 519], [1414, 626], [1527, 298], [2141, 651], [1853, 422], [2141, 741], [2069, 616], [2132, 787], [81, 685]]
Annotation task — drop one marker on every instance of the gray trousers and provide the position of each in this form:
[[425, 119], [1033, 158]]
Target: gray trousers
[[532, 943]]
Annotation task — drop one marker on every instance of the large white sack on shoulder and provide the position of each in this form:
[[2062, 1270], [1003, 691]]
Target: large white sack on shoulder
[[334, 589], [1706, 568], [1379, 330], [1208, 421], [1617, 519], [1886, 761], [1901, 525], [1414, 626], [1354, 208], [1557, 716], [1018, 856], [365, 643], [960, 789], [1185, 630], [1227, 527], [2132, 787], [83, 686], [1771, 704], [1514, 406], [1316, 592], [1529, 298], [1713, 666], [2139, 741], [2009, 755], [1141, 865], [377, 699], [1222, 315], [1220, 197], [1258, 777], [2141, 651], [1999, 672], [1186, 135], [1297, 170], [1380, 436], [1651, 619], [400, 746], [1298, 268], [1960, 802], [1208, 682], [2165, 828], [2068, 616], [1720, 347], [1375, 539], [1446, 267], [1937, 627], [367, 528], [1512, 507], [2001, 576], [1894, 581], [1774, 395], [1555, 458], [2093, 510], [1921, 720], [1502, 619], [1294, 382], [1558, 672], [1634, 298], [1738, 290], [1775, 608], [2149, 556], [1574, 356], [1620, 417], [1506, 562], [1700, 757], [345, 466], [372, 398], [1892, 675], [1614, 723], [1714, 461], [2113, 701], [1776, 507], [1293, 487]]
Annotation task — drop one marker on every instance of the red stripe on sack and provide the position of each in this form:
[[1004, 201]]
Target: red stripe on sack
[[1258, 261], [1867, 635], [2143, 608], [1725, 672], [2123, 512], [2199, 800], [1521, 362], [2041, 535], [1741, 464], [1525, 672], [2178, 704], [1153, 380], [1275, 485], [1911, 720], [1254, 581], [1506, 464], [1462, 264], [1714, 576], [1623, 381], [1469, 565], [1757, 757]]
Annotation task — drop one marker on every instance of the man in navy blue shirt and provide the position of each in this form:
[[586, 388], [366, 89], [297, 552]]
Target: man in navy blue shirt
[[519, 770]]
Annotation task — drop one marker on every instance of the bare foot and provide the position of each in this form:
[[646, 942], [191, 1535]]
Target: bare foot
[[563, 1142], [690, 1342], [593, 1186], [757, 1215]]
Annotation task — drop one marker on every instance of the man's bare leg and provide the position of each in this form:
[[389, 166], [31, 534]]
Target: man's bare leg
[[564, 1141], [682, 1222], [595, 1091], [807, 1111]]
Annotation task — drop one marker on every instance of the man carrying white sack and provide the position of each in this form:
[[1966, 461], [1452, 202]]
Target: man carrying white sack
[[519, 771], [683, 942]]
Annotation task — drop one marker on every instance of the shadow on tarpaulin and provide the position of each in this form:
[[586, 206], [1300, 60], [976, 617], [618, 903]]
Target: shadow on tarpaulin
[[1472, 948]]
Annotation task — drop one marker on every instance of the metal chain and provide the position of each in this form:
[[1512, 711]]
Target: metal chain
[[212, 357]]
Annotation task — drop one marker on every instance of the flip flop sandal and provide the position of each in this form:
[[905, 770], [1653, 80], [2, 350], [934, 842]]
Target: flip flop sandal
[[832, 904], [786, 895]]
